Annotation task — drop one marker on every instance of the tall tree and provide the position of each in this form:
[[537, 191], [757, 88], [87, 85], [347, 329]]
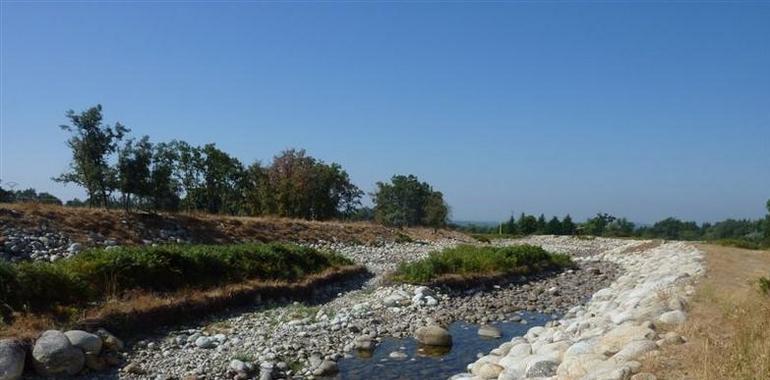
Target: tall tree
[[133, 170], [568, 227], [403, 201], [92, 143], [553, 227], [165, 187]]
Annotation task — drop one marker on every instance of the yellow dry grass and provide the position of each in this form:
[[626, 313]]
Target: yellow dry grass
[[728, 328], [77, 223]]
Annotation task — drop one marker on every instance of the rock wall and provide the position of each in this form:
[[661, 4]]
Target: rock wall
[[609, 336]]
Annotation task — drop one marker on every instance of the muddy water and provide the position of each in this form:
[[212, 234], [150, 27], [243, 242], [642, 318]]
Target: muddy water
[[426, 363]]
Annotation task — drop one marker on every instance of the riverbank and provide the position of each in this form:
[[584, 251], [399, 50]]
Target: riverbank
[[621, 325]]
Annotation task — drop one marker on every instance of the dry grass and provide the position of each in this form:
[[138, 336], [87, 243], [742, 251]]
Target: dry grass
[[204, 228], [728, 328]]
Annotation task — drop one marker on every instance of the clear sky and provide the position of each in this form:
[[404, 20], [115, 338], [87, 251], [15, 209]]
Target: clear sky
[[643, 110]]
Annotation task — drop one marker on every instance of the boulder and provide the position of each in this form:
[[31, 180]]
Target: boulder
[[675, 317], [634, 350], [326, 368], [541, 366], [12, 357], [111, 342], [53, 355], [489, 371], [433, 336], [617, 338], [85, 341]]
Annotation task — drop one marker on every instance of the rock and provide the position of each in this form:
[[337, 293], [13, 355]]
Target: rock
[[266, 371], [205, 342], [326, 368], [12, 358], [675, 317], [634, 350], [644, 376], [87, 342], [53, 355], [237, 366], [95, 362], [397, 355], [134, 368], [541, 366], [672, 338], [490, 331], [433, 336], [110, 342], [489, 371], [614, 340]]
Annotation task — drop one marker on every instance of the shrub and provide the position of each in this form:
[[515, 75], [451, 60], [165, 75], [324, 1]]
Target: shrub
[[739, 243], [764, 285], [473, 261], [97, 274]]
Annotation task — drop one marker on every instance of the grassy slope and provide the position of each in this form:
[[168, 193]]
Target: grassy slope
[[204, 228], [474, 261], [729, 324]]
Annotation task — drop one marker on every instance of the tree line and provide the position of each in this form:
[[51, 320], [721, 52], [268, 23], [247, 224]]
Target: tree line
[[117, 170], [752, 231]]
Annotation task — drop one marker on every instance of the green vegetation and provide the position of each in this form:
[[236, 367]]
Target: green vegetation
[[468, 261], [743, 233], [28, 195], [178, 176], [764, 285], [96, 275], [406, 201]]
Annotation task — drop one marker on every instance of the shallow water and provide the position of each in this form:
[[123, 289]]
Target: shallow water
[[425, 363]]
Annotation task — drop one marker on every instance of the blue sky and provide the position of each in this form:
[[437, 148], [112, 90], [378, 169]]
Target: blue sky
[[643, 110]]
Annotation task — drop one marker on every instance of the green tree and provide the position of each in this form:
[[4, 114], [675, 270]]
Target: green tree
[[436, 210], [527, 224], [92, 143], [620, 227], [553, 227], [222, 178], [567, 226], [595, 226], [767, 221], [133, 170], [403, 202], [541, 224], [164, 185]]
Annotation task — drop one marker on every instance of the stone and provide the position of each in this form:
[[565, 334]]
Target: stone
[[237, 366], [674, 317], [12, 358], [672, 338], [433, 336], [541, 367], [488, 331], [614, 340], [634, 350], [134, 369], [326, 368], [644, 376], [89, 343], [205, 342], [398, 355], [53, 354], [95, 362], [110, 342], [489, 371]]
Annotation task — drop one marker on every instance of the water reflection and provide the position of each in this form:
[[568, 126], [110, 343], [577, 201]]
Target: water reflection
[[427, 362]]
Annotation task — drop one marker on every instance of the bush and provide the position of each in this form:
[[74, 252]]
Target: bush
[[474, 261], [97, 274], [764, 285], [739, 243]]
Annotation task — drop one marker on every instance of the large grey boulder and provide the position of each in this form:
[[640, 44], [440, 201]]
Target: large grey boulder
[[12, 357], [89, 343], [53, 354], [488, 331], [433, 336], [675, 317]]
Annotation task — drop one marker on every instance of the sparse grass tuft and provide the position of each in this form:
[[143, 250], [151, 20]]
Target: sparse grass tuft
[[480, 261]]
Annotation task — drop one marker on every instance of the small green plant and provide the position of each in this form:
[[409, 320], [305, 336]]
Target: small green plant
[[739, 243], [469, 260], [244, 357], [403, 238]]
